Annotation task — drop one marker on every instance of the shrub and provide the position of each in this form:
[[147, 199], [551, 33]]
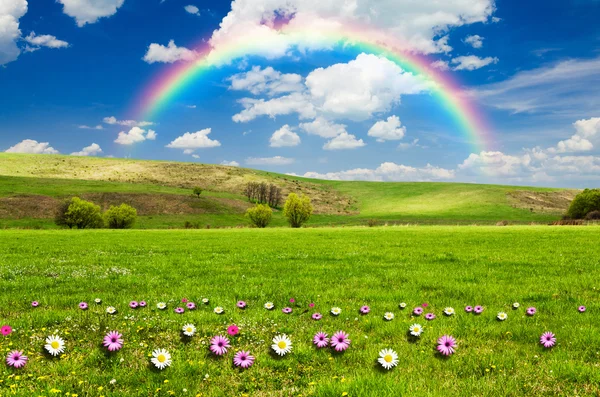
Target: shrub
[[297, 210], [584, 203], [198, 191], [502, 223], [372, 222], [121, 217], [260, 216], [80, 214], [593, 216], [191, 225]]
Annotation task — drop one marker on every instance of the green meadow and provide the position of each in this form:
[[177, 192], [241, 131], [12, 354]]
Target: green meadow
[[554, 269]]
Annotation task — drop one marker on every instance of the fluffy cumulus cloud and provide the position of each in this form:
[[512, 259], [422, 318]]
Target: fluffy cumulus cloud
[[266, 81], [192, 141], [191, 9], [586, 138], [388, 172], [32, 146], [323, 128], [10, 13], [277, 160], [89, 11], [496, 164], [390, 130], [344, 141], [472, 62], [474, 41], [284, 137], [112, 120], [169, 54], [135, 135], [284, 105], [92, 150], [45, 40], [230, 163]]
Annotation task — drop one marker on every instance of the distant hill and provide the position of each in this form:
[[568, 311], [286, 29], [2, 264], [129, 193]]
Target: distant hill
[[31, 186]]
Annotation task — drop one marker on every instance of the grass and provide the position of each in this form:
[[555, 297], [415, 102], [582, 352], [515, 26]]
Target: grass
[[553, 269]]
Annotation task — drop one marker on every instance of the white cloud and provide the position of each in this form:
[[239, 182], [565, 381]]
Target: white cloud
[[472, 62], [191, 9], [195, 156], [169, 54], [89, 11], [10, 13], [127, 123], [289, 104], [191, 141], [587, 136], [230, 163], [284, 137], [496, 164], [45, 40], [388, 172], [135, 135], [91, 150], [389, 130], [406, 146], [323, 128], [31, 146], [344, 141], [441, 65], [266, 81], [474, 41], [277, 160], [87, 127]]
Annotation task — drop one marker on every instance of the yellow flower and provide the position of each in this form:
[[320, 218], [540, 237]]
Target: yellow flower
[[344, 394], [166, 381], [100, 388]]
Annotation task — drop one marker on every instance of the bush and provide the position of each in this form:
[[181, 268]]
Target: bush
[[584, 203], [372, 222], [260, 216], [198, 191], [297, 210], [121, 217], [80, 214], [593, 216], [191, 225]]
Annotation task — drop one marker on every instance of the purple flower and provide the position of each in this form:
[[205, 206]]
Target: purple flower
[[340, 341], [548, 339], [417, 311], [113, 341], [365, 310], [243, 359], [531, 311], [143, 304], [179, 310], [219, 345], [581, 309], [16, 359], [133, 304], [321, 340], [446, 345], [241, 304], [292, 300], [469, 309], [429, 316], [83, 306], [190, 305], [478, 309], [35, 303], [287, 310], [317, 316]]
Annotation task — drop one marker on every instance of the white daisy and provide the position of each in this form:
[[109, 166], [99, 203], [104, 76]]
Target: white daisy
[[269, 305], [449, 311], [98, 301], [402, 305], [161, 305], [111, 310], [282, 345], [219, 310], [516, 305], [388, 358], [205, 301], [336, 311], [55, 345], [161, 358], [415, 330], [502, 316], [189, 330], [389, 316]]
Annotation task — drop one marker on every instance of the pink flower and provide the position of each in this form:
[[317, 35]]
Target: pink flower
[[429, 316], [113, 341], [478, 309], [531, 311], [340, 341], [219, 345], [190, 305], [425, 304], [311, 305], [83, 306], [184, 300], [548, 339], [6, 330], [241, 304], [179, 310], [287, 310], [417, 311], [16, 359], [365, 309], [243, 359], [321, 340], [446, 345], [581, 309], [317, 316], [292, 300], [133, 304], [143, 304], [35, 303], [469, 309], [233, 330]]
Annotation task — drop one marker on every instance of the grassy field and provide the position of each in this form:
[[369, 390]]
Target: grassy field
[[553, 269]]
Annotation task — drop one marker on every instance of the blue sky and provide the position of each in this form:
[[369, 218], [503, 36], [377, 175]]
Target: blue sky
[[72, 69]]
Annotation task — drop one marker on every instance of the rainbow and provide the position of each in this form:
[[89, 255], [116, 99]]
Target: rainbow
[[163, 89]]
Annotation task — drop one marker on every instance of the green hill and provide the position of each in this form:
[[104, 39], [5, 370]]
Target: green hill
[[31, 186]]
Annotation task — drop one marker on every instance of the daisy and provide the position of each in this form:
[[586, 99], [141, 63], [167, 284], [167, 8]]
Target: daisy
[[113, 341], [179, 310], [98, 301], [219, 310], [478, 309], [516, 305], [219, 345], [446, 345], [241, 304], [111, 310], [389, 316], [429, 316], [243, 359], [340, 341], [581, 309], [336, 311], [469, 309], [205, 301], [548, 339], [415, 330], [189, 330], [531, 311], [321, 340], [417, 311], [269, 306], [133, 304], [233, 330], [388, 358], [365, 310], [161, 305], [83, 306], [449, 311], [502, 316], [16, 359], [190, 305], [6, 330], [161, 358], [55, 345], [35, 303], [286, 310], [143, 304], [317, 316], [282, 345], [402, 305]]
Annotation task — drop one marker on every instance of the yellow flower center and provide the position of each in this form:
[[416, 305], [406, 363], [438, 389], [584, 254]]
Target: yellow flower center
[[188, 329], [282, 345], [55, 345], [161, 358], [388, 358]]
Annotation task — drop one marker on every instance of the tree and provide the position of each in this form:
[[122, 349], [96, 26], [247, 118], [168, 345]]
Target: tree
[[121, 217], [80, 214], [198, 191], [60, 218], [297, 210], [584, 203], [260, 216]]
